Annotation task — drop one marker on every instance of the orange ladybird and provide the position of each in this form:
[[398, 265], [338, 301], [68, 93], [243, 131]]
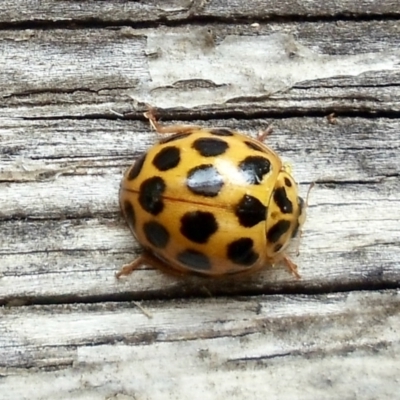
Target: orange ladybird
[[210, 202]]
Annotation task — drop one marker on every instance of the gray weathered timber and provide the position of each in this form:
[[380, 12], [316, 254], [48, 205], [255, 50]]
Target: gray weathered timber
[[74, 77], [342, 345], [173, 10], [320, 61], [63, 181]]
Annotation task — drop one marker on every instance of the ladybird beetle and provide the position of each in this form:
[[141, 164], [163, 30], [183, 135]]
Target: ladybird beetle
[[210, 202]]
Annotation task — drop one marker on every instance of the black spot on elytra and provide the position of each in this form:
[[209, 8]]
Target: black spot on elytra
[[156, 234], [241, 252], [277, 230], [254, 146], [282, 201], [167, 158], [129, 212], [250, 211], [254, 168], [198, 226], [205, 180], [174, 137], [210, 147], [221, 132], [150, 195], [136, 167], [288, 183], [194, 259]]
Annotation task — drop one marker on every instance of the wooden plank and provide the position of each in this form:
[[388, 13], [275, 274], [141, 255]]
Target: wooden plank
[[101, 70], [173, 10], [328, 346], [67, 69], [62, 236]]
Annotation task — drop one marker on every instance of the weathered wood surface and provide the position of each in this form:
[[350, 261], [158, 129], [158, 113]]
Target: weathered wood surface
[[63, 149], [63, 236], [175, 10], [342, 345], [324, 67]]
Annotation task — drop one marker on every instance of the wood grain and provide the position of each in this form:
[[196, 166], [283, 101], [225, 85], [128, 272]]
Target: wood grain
[[62, 235], [98, 71], [276, 346], [183, 10], [73, 79]]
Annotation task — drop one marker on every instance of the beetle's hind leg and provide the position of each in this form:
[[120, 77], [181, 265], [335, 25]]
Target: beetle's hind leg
[[291, 266], [150, 259], [127, 269]]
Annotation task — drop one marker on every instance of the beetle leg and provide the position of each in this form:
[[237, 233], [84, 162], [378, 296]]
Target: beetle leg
[[263, 134], [291, 266], [148, 258], [127, 269], [170, 128]]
